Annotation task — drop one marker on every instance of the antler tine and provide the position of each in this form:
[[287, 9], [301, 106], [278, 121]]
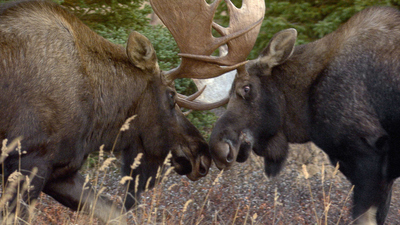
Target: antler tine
[[190, 102], [191, 23], [193, 96], [197, 105], [248, 19]]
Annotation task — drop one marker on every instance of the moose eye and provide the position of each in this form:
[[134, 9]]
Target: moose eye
[[171, 96], [246, 89]]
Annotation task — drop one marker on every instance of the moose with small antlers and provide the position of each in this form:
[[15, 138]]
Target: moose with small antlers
[[65, 91], [341, 92]]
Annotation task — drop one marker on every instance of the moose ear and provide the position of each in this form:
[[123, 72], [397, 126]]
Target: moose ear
[[279, 49], [141, 52]]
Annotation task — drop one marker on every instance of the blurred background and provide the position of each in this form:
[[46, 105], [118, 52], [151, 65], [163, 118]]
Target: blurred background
[[308, 191]]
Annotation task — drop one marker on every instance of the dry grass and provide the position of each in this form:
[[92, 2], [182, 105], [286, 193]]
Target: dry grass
[[309, 191]]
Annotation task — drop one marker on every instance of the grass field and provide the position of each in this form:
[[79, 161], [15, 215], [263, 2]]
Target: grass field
[[242, 195]]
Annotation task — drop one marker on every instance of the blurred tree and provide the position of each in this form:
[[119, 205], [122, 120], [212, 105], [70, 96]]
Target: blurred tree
[[121, 14], [313, 19], [115, 19]]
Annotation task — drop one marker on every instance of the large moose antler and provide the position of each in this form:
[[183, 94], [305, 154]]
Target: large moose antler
[[191, 23]]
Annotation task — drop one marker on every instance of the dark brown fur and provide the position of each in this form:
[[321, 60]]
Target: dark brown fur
[[66, 91], [342, 92]]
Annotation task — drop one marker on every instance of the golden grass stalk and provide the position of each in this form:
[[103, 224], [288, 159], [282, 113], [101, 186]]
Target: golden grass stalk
[[107, 163], [169, 170], [344, 203], [327, 200], [123, 128], [167, 160], [275, 204], [306, 176], [172, 186], [5, 150], [148, 183], [160, 179], [137, 184], [126, 125], [13, 189], [185, 209], [8, 193], [253, 218], [101, 153], [80, 205], [208, 194], [125, 179], [93, 207], [136, 162], [247, 215], [236, 213]]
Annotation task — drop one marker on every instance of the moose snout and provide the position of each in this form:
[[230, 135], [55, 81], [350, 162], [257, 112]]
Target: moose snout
[[204, 165], [194, 166], [223, 154], [200, 168]]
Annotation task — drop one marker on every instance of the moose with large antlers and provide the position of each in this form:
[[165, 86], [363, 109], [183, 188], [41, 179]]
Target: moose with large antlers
[[342, 92], [65, 91]]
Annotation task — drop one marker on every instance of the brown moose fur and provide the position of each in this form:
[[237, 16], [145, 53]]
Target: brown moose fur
[[342, 92], [65, 90]]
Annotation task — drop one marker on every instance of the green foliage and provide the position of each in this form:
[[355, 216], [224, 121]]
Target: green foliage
[[203, 121], [313, 19], [112, 14], [164, 44], [114, 34], [114, 20]]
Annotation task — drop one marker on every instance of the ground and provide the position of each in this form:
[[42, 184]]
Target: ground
[[241, 195]]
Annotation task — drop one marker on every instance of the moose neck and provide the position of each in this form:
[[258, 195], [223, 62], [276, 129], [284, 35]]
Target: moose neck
[[295, 78], [115, 87]]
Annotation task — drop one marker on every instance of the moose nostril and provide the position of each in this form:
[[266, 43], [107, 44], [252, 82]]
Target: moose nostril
[[203, 169], [229, 157]]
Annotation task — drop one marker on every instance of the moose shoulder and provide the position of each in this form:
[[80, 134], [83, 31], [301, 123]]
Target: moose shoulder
[[342, 92]]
